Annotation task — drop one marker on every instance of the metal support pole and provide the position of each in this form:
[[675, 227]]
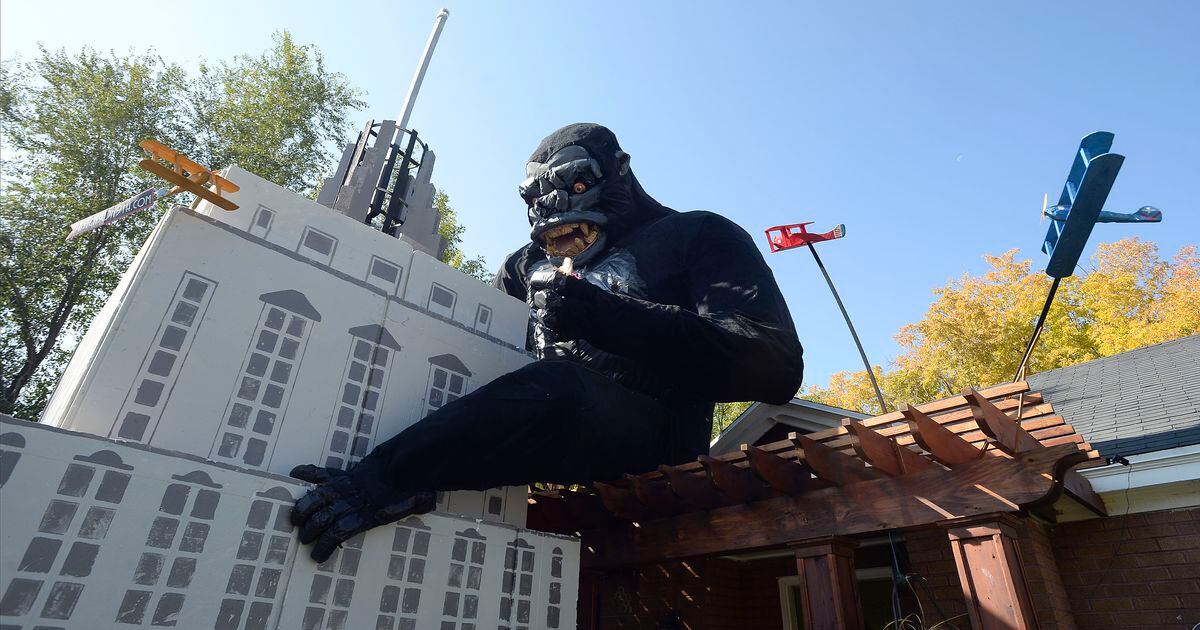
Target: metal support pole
[[850, 325], [1033, 339], [1037, 331]]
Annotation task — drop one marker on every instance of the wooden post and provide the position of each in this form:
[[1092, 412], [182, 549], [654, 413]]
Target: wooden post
[[828, 587], [989, 568]]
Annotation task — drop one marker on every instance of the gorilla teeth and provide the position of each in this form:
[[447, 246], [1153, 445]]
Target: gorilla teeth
[[553, 239]]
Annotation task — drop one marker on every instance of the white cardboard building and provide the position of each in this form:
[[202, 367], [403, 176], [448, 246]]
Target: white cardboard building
[[238, 345]]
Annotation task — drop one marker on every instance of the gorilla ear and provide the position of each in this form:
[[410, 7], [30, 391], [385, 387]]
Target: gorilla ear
[[622, 163]]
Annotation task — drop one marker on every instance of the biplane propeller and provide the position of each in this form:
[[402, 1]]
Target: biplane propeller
[[187, 175]]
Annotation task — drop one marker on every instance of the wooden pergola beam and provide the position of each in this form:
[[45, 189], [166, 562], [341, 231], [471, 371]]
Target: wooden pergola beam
[[1005, 431], [739, 484], [1008, 434], [941, 443], [622, 501], [784, 475], [656, 494], [965, 428], [954, 413], [884, 454], [957, 420], [937, 406], [832, 465], [987, 485], [696, 489]]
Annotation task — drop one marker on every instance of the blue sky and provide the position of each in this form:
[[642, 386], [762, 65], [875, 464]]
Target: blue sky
[[931, 129]]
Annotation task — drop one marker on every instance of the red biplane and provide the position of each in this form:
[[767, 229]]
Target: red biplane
[[783, 237]]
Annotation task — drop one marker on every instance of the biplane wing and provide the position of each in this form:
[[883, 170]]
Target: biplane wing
[[783, 237], [187, 175], [1093, 171]]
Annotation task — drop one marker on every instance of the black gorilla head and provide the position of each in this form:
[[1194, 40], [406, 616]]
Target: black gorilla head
[[581, 194]]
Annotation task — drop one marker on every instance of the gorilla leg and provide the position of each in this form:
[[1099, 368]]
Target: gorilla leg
[[548, 421]]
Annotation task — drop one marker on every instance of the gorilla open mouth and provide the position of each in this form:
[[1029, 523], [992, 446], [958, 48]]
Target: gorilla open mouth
[[569, 239]]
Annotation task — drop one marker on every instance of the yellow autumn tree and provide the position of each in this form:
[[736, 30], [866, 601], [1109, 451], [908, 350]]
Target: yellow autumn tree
[[977, 326]]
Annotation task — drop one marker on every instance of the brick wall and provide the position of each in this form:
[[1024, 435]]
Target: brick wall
[[1138, 571], [1051, 603], [930, 557]]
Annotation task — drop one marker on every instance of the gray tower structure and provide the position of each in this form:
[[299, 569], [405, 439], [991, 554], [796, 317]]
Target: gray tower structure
[[386, 173]]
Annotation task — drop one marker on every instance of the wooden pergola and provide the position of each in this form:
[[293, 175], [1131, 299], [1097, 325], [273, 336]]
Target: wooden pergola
[[967, 464]]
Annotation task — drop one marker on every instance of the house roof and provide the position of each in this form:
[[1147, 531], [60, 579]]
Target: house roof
[[760, 419], [1135, 402]]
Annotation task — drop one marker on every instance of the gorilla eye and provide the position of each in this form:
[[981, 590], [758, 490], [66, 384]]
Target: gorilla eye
[[579, 187]]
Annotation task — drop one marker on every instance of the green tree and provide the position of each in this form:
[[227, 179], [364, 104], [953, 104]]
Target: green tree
[[975, 331], [70, 128], [452, 231], [725, 413], [277, 114]]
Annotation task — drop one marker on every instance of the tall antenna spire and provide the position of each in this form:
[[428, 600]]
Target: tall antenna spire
[[413, 88]]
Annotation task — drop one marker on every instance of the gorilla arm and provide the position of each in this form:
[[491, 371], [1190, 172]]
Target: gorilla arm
[[735, 342]]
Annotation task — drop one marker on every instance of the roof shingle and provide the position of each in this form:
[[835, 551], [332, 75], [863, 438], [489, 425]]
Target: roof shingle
[[1134, 402]]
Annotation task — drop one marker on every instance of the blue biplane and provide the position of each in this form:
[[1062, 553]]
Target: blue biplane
[[1080, 207]]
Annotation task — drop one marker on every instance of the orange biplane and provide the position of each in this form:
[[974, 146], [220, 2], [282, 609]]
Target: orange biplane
[[186, 175]]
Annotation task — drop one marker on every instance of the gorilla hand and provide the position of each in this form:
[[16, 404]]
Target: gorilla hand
[[340, 507], [568, 307]]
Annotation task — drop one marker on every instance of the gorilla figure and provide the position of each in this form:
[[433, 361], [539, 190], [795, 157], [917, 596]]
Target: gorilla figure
[[658, 315]]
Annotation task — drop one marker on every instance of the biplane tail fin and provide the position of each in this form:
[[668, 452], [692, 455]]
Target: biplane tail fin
[[1149, 214], [838, 231]]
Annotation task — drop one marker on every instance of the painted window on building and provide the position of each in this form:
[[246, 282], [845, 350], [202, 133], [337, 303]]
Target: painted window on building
[[364, 381], [385, 275], [332, 589], [493, 504], [516, 597], [253, 592], [50, 576], [160, 368], [554, 601], [174, 544], [317, 245], [263, 218], [264, 384], [448, 379], [460, 607], [483, 319], [10, 454], [405, 576], [442, 300]]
